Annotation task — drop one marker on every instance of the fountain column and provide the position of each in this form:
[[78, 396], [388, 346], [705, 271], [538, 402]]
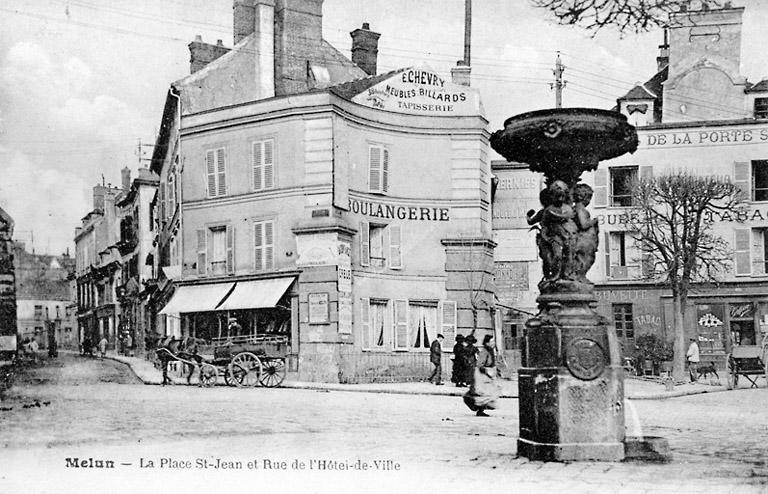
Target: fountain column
[[571, 384]]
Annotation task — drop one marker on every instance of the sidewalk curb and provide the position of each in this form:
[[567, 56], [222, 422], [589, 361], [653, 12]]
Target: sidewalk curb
[[351, 388]]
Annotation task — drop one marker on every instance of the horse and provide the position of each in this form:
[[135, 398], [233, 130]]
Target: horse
[[185, 349]]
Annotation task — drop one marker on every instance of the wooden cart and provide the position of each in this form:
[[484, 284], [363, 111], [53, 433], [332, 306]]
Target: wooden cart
[[749, 361]]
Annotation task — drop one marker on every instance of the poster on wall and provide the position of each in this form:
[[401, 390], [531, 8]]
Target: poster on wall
[[318, 308]]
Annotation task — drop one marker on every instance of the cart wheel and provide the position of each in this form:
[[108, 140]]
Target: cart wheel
[[274, 373], [245, 370], [208, 375]]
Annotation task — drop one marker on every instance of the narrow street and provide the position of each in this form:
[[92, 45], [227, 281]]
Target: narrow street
[[90, 408]]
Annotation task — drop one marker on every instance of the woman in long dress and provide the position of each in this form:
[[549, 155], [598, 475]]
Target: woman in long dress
[[483, 392]]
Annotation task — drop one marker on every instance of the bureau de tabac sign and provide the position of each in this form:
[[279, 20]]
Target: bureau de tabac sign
[[421, 91]]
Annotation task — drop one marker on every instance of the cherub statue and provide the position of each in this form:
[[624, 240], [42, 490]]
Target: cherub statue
[[557, 230], [585, 245]]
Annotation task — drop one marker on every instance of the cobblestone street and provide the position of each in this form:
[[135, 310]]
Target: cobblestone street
[[66, 409]]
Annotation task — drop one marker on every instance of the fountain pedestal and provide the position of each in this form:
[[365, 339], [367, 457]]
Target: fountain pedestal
[[571, 385]]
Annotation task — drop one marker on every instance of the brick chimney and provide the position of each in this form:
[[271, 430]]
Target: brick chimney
[[243, 19], [663, 59], [98, 197], [126, 178], [201, 53], [298, 33], [365, 48]]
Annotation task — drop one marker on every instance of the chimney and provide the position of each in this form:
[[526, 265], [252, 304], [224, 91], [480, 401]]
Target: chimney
[[298, 34], [126, 178], [201, 53], [461, 73], [365, 48], [663, 59], [146, 174], [98, 197], [243, 19]]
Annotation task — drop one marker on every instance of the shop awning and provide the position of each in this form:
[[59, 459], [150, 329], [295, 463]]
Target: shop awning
[[198, 298], [256, 294]]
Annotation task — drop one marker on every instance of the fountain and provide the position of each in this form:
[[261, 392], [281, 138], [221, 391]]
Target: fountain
[[571, 385]]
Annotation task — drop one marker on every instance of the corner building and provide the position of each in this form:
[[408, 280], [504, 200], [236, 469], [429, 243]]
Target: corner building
[[348, 217]]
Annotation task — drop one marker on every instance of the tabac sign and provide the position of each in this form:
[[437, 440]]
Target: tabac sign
[[421, 91]]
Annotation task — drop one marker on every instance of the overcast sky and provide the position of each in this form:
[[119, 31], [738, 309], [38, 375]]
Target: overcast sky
[[82, 81]]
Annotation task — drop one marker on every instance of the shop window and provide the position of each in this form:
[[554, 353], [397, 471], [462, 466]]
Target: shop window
[[742, 323], [378, 169], [263, 164], [215, 253], [264, 245], [372, 313], [215, 166], [623, 320], [380, 245], [761, 107], [622, 180], [760, 180]]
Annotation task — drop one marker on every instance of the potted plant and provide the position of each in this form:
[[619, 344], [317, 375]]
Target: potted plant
[[654, 348]]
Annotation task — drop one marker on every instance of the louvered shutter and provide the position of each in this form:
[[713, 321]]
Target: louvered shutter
[[258, 246], [201, 251], [230, 249], [742, 246], [269, 164], [601, 188], [221, 178], [163, 214], [607, 245], [448, 320], [374, 169], [365, 244], [210, 168], [741, 178], [269, 242], [401, 324], [758, 251], [365, 323], [385, 170], [395, 252], [258, 166]]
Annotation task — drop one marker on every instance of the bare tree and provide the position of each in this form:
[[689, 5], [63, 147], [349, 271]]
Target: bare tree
[[671, 221], [626, 15]]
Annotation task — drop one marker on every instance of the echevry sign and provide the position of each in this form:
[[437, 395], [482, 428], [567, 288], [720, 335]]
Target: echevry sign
[[421, 91]]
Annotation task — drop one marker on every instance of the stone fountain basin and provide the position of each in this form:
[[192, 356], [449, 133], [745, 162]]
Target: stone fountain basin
[[576, 138]]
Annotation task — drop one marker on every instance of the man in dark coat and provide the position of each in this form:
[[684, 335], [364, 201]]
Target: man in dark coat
[[435, 356], [457, 374]]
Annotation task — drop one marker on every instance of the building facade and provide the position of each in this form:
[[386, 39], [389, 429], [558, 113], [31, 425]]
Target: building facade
[[699, 115], [345, 213]]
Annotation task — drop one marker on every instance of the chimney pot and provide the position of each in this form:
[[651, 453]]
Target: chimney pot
[[219, 42], [198, 38], [366, 26]]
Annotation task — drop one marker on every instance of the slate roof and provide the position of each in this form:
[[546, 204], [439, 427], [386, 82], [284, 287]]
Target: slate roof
[[760, 87], [349, 90]]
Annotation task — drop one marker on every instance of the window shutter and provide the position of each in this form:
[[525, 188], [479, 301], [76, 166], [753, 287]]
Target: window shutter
[[201, 251], [448, 323], [742, 246], [269, 164], [257, 166], [163, 214], [220, 173], [646, 172], [601, 188], [401, 324], [208, 247], [365, 323], [385, 170], [607, 254], [374, 169], [741, 178], [365, 244], [758, 251], [395, 253], [269, 242], [230, 249], [171, 195], [210, 168], [258, 246]]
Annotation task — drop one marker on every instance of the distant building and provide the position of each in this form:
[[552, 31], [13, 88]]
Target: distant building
[[313, 200], [697, 113], [44, 298], [8, 328]]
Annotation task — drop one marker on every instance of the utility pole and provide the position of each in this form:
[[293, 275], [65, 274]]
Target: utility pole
[[559, 83], [467, 31], [140, 151]]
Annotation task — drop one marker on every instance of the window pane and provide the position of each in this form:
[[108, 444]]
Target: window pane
[[760, 179], [621, 185]]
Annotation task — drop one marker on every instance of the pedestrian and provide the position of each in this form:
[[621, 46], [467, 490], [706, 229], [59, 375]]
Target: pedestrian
[[103, 347], [33, 347], [458, 372], [129, 345], [483, 391], [469, 358], [692, 355], [436, 356]]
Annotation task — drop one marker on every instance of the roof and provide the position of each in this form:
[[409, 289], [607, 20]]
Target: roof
[[759, 87], [348, 90], [37, 278], [653, 88]]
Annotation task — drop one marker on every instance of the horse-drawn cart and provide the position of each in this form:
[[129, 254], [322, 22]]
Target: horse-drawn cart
[[750, 361], [242, 361]]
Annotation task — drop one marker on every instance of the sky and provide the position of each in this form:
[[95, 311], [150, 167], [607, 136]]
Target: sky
[[83, 82]]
